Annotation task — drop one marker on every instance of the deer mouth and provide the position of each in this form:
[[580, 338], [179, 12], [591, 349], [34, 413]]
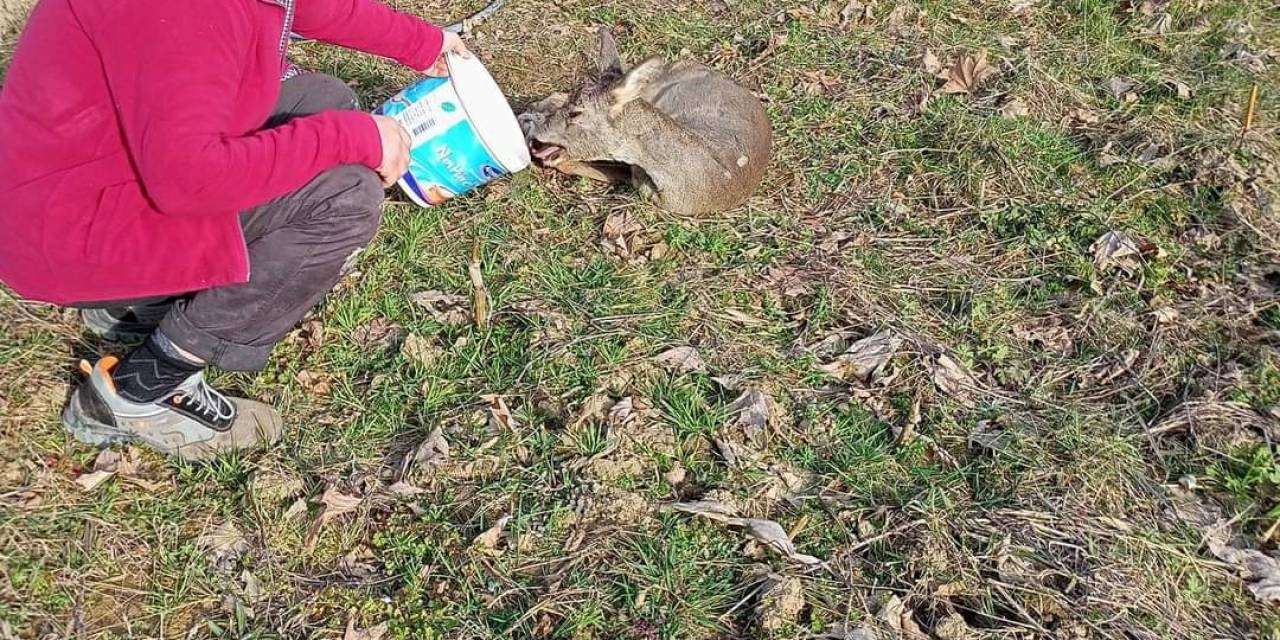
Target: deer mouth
[[546, 153]]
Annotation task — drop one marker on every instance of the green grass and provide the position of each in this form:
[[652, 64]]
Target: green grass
[[955, 227]]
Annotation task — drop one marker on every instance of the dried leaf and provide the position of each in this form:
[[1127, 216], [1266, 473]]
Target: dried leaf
[[500, 417], [990, 436], [432, 452], [403, 489], [316, 384], [865, 359], [335, 504], [445, 308], [223, 544], [378, 333], [89, 482], [488, 541], [751, 414], [372, 633], [932, 65], [952, 379], [781, 601], [898, 617], [615, 236], [766, 532], [710, 509], [1021, 8], [1123, 89], [1014, 108], [1260, 571], [681, 360], [854, 12], [419, 350], [772, 535], [967, 75], [1116, 249]]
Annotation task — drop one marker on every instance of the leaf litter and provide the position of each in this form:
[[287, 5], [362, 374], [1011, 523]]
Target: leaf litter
[[865, 359], [223, 545], [967, 74], [681, 360], [449, 309], [766, 532], [780, 602], [333, 504]]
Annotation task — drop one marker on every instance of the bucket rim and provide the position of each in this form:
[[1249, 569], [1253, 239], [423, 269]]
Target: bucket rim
[[452, 58]]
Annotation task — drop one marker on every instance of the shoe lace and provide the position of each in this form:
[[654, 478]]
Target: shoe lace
[[212, 403]]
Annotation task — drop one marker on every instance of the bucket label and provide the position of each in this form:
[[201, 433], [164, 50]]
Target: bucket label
[[446, 156]]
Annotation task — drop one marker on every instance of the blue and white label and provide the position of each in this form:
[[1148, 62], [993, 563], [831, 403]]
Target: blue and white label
[[447, 157]]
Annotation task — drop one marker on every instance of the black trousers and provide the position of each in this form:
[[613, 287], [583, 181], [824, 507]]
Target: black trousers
[[299, 244]]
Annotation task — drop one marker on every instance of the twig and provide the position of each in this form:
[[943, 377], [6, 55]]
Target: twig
[[1249, 111], [480, 292]]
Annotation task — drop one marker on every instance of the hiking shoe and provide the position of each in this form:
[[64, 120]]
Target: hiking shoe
[[194, 421], [126, 325]]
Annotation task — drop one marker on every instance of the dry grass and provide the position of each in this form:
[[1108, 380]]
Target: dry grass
[[1031, 499]]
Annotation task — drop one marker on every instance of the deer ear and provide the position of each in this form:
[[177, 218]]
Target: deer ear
[[633, 84], [610, 62]]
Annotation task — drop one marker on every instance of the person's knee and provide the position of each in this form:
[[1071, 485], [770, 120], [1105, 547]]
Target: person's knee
[[327, 92], [355, 199]]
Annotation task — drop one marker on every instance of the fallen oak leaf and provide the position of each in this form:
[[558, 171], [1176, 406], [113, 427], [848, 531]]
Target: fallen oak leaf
[[1013, 108], [952, 379], [1261, 572], [90, 482], [500, 416], [488, 541], [223, 544], [682, 360], [445, 308], [751, 414], [419, 350], [334, 504], [432, 452], [864, 359]]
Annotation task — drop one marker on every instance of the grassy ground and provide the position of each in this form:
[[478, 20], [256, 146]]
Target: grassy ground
[[1057, 490]]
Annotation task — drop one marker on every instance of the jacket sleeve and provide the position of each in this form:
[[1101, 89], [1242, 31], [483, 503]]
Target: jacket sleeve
[[175, 91], [371, 27]]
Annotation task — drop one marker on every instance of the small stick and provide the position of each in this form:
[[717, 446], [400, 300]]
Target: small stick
[[798, 527], [480, 293], [1249, 111], [1266, 537]]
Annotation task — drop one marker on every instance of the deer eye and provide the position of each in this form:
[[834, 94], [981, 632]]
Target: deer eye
[[574, 113]]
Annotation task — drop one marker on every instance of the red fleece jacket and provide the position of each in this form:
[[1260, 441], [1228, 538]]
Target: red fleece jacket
[[130, 136]]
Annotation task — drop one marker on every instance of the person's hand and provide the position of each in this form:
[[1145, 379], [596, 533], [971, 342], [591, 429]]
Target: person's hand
[[452, 43], [395, 149]]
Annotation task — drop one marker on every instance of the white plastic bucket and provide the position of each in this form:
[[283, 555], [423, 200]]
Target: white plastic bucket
[[463, 131]]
